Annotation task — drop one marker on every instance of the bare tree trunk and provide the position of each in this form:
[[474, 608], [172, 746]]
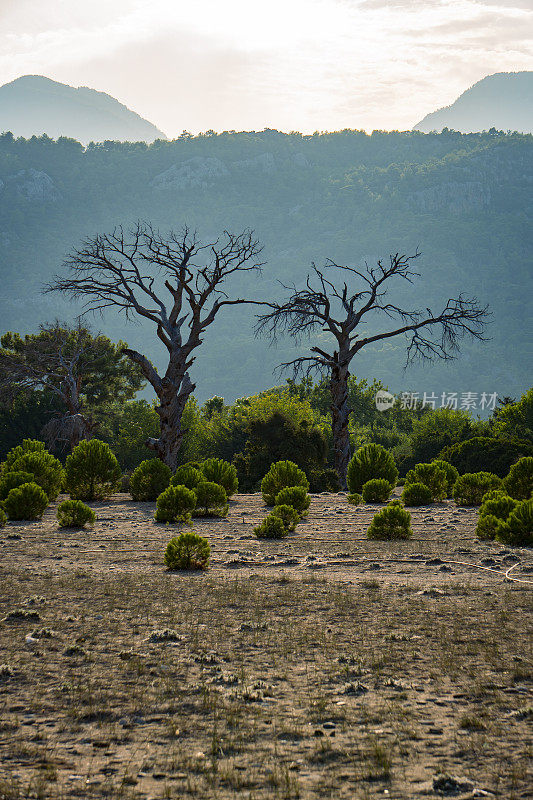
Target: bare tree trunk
[[340, 414]]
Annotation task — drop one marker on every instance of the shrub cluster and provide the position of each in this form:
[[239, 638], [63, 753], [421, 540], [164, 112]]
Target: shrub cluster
[[517, 529], [451, 474], [215, 470], [392, 522], [371, 461], [377, 490], [27, 501], [494, 510], [175, 504], [187, 551], [282, 475], [74, 514], [470, 488], [355, 499], [3, 518], [519, 482], [295, 496], [10, 480], [432, 476], [211, 500], [287, 514], [417, 494], [187, 475], [272, 527], [486, 453], [92, 471], [149, 479], [46, 470]]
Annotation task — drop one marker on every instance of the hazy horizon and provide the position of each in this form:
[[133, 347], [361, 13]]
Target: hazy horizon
[[297, 65]]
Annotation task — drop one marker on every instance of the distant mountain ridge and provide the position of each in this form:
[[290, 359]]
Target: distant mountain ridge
[[33, 105], [503, 101]]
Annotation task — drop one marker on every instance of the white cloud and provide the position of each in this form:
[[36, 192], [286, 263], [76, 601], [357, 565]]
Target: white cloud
[[291, 64]]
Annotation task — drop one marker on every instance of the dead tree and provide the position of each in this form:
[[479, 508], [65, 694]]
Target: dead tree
[[171, 281], [341, 306]]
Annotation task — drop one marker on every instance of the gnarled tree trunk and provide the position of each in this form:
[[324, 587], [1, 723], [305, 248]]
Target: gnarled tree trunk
[[340, 414]]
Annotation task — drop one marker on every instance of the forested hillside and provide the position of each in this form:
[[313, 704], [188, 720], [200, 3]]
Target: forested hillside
[[464, 200]]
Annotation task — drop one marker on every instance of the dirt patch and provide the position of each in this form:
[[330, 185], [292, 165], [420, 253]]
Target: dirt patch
[[320, 666]]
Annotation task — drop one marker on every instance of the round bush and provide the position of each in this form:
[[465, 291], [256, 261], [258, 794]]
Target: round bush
[[371, 461], [74, 514], [470, 488], [431, 476], [3, 519], [149, 479], [188, 476], [10, 480], [519, 482], [187, 551], [378, 490], [417, 494], [499, 507], [175, 504], [287, 514], [518, 528], [355, 499], [27, 446], [28, 501], [487, 527], [211, 500], [215, 470], [272, 527], [92, 471], [486, 453], [451, 474], [393, 522], [295, 496], [47, 471], [494, 494], [282, 475]]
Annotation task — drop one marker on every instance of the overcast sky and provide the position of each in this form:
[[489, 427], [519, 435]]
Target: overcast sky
[[289, 64]]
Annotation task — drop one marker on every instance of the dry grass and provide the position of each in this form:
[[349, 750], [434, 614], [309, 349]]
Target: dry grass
[[287, 676]]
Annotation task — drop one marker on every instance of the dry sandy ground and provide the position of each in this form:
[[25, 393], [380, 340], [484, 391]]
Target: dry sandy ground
[[319, 666]]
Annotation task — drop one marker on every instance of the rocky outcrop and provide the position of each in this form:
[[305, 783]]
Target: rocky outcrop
[[33, 185], [195, 172]]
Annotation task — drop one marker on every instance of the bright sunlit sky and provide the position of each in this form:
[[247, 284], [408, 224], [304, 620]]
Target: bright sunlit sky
[[289, 64]]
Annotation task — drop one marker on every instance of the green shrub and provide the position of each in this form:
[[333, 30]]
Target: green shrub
[[494, 494], [417, 494], [499, 507], [487, 527], [215, 470], [272, 527], [519, 482], [355, 499], [431, 476], [451, 474], [295, 496], [28, 501], [47, 471], [27, 446], [486, 453], [149, 479], [74, 514], [470, 488], [518, 528], [282, 475], [287, 514], [377, 490], [10, 480], [324, 480], [211, 500], [371, 461], [3, 519], [92, 471], [188, 550], [392, 522], [188, 476], [175, 504]]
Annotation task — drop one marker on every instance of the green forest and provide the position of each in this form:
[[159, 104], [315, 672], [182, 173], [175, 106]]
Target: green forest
[[463, 200]]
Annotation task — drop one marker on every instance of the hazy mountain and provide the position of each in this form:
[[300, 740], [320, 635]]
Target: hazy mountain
[[36, 105], [503, 101]]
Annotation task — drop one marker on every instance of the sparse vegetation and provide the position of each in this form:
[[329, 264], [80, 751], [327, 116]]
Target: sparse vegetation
[[355, 499]]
